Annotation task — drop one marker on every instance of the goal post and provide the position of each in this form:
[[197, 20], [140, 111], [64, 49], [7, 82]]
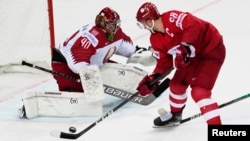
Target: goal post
[[26, 33]]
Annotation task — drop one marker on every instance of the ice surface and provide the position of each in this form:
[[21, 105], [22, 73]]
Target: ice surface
[[134, 122]]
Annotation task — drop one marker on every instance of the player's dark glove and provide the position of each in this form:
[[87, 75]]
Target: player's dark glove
[[144, 86], [182, 58]]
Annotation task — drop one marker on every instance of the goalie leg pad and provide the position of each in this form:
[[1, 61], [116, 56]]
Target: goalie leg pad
[[60, 104], [92, 84]]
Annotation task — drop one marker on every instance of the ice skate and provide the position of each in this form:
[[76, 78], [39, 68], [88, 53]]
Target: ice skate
[[167, 119], [21, 112]]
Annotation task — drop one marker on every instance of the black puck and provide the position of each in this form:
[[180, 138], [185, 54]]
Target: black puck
[[72, 129]]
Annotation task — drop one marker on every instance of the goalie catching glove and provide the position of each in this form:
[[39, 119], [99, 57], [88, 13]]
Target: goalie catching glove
[[139, 49], [143, 56], [145, 86]]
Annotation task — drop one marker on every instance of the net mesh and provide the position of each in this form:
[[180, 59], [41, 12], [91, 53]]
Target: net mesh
[[24, 34]]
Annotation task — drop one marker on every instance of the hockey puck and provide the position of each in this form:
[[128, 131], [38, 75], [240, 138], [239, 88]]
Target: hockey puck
[[72, 129]]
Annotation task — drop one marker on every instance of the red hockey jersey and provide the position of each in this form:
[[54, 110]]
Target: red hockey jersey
[[182, 27]]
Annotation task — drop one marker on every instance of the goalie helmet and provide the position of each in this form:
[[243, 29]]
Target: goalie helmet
[[109, 21], [147, 11]]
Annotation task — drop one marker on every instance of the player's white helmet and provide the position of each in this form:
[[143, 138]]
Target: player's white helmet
[[109, 21]]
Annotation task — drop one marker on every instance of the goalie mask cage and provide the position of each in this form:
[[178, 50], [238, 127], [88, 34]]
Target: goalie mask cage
[[27, 33]]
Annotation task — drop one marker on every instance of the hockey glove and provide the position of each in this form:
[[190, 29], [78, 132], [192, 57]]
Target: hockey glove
[[144, 86], [182, 58]]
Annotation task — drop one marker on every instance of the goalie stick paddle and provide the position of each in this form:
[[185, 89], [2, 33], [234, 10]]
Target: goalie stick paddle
[[65, 135], [138, 99], [112, 90], [220, 106]]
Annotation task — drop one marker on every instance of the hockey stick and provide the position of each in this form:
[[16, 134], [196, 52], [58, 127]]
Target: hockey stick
[[138, 99], [112, 90], [220, 106], [77, 135], [50, 71]]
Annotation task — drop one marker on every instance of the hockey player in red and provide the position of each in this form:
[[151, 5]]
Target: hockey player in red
[[195, 47], [93, 44]]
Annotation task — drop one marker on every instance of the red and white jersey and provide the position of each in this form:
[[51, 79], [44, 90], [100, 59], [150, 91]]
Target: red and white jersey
[[182, 27], [90, 46]]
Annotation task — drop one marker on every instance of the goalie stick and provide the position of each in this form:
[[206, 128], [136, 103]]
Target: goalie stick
[[65, 135], [137, 99], [112, 90]]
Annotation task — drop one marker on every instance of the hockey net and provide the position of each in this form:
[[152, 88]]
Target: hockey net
[[26, 34]]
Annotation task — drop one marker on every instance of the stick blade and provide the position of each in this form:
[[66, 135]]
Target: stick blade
[[64, 135], [55, 133]]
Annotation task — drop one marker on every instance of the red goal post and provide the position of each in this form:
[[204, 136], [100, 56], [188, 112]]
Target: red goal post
[[27, 33]]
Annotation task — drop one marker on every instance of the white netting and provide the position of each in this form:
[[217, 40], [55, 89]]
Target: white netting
[[24, 34]]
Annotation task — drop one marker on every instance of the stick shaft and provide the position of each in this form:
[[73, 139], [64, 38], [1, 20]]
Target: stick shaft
[[52, 72], [75, 136], [220, 106]]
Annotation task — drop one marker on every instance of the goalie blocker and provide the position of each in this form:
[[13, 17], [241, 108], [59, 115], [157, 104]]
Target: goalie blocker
[[68, 104]]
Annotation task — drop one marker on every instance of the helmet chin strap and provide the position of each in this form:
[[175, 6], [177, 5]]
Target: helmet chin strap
[[151, 28]]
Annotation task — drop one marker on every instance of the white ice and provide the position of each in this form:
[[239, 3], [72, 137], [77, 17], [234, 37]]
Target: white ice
[[133, 122]]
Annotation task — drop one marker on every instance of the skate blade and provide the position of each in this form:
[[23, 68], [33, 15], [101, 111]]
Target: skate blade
[[168, 125]]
